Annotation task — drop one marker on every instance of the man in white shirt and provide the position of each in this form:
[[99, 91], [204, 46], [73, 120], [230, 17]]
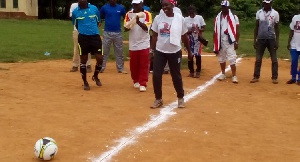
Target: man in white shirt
[[76, 58], [266, 35], [139, 43], [294, 47]]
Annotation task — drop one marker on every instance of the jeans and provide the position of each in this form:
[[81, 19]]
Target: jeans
[[294, 64], [261, 45]]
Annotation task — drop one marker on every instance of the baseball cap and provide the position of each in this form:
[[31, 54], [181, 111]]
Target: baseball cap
[[225, 3], [136, 1], [267, 1]]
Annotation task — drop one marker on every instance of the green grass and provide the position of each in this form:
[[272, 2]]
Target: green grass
[[28, 40]]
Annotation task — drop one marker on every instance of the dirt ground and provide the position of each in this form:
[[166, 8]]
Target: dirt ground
[[227, 123]]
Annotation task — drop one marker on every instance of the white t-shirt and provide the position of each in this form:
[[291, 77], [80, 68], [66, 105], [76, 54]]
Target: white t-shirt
[[72, 8], [175, 9], [162, 25], [267, 22], [197, 21], [138, 38], [295, 26]]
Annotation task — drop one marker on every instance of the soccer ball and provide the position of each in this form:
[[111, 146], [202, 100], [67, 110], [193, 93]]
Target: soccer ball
[[45, 148]]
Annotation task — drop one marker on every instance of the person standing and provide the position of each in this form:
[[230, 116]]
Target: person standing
[[266, 35], [86, 18], [226, 37], [112, 13], [139, 44], [294, 47], [196, 25], [169, 30], [76, 57]]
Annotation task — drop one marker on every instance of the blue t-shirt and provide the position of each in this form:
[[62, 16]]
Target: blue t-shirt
[[112, 15], [86, 20]]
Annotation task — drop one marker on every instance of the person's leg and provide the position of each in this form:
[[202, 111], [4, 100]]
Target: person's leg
[[143, 67], [97, 51], [76, 57], [134, 66], [260, 49], [231, 56], [191, 67], [271, 47], [298, 80], [107, 40], [118, 49], [198, 63], [159, 63], [174, 61], [89, 64], [294, 63]]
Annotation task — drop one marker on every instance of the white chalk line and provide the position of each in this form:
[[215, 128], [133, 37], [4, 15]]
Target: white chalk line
[[165, 113]]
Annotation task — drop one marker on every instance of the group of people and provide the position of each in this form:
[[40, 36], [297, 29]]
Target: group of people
[[169, 30]]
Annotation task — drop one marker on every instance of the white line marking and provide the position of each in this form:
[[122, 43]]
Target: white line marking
[[165, 113]]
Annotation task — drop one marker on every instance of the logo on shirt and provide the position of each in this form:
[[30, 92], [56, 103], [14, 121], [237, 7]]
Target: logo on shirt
[[297, 26], [165, 31]]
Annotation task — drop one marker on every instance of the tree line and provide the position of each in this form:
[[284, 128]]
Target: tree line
[[245, 9]]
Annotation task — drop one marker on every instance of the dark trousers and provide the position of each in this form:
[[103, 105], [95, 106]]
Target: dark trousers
[[261, 45], [198, 64], [159, 62]]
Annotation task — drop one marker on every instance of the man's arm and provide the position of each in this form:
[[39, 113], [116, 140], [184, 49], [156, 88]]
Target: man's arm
[[255, 33], [185, 41], [236, 44], [153, 44], [276, 27], [290, 39]]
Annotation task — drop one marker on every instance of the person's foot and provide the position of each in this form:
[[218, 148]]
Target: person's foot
[[74, 69], [102, 70], [291, 81], [157, 103], [89, 69], [274, 81], [234, 79], [166, 72], [254, 80], [222, 77], [143, 89], [86, 86], [197, 75], [97, 80], [123, 72], [191, 75], [181, 103], [298, 82], [136, 85]]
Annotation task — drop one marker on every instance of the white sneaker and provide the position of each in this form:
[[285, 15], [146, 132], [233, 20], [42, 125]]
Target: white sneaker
[[142, 88], [222, 77], [234, 79], [181, 103], [136, 85]]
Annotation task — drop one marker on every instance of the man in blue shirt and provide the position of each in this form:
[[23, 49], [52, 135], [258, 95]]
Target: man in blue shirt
[[112, 13], [86, 18]]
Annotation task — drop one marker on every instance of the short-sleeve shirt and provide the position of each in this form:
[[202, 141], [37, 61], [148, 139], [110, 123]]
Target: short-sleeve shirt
[[295, 26], [86, 20], [267, 21], [112, 15], [162, 25], [197, 21], [138, 38]]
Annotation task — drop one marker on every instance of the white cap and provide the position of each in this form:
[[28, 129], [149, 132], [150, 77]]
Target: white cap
[[136, 1], [267, 1], [225, 3]]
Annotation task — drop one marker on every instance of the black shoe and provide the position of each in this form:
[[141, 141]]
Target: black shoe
[[86, 86], [291, 81], [97, 80]]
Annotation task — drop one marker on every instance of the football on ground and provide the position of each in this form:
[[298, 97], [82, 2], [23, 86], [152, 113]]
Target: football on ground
[[45, 148]]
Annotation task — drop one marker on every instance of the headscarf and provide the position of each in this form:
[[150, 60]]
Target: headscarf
[[174, 2]]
